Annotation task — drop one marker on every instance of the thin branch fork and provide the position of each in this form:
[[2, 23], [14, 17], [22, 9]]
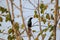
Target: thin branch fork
[[22, 16], [23, 20], [31, 3], [23, 7]]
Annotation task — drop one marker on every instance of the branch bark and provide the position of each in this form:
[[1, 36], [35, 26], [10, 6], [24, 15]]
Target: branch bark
[[17, 33], [55, 19], [39, 20], [21, 12]]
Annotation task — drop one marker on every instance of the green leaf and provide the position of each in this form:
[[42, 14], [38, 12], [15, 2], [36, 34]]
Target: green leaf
[[0, 31], [45, 7], [44, 21], [51, 28], [22, 26], [42, 18], [52, 35], [34, 30], [3, 9], [9, 37], [10, 31], [13, 37], [40, 33], [50, 38], [42, 6], [42, 11], [1, 19], [52, 1], [44, 30], [52, 17], [48, 16], [44, 35], [35, 14], [8, 18], [59, 7], [16, 25]]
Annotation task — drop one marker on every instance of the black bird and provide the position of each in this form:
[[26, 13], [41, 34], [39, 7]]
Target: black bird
[[29, 26], [29, 22]]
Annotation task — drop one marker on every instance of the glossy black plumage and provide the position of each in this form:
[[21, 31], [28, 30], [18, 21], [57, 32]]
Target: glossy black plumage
[[30, 22]]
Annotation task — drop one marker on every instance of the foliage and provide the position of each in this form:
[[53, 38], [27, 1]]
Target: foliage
[[11, 31], [1, 31], [33, 30], [48, 16], [52, 1], [44, 20], [52, 17], [11, 37], [8, 18], [44, 35], [1, 19], [2, 9], [22, 26], [51, 36], [43, 7], [36, 38], [59, 7], [35, 14], [16, 26]]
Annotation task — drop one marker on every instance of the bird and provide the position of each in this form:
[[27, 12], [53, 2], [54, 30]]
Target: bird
[[29, 25], [30, 22]]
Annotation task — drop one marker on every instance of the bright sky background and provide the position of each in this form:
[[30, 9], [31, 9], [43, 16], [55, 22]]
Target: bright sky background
[[27, 13]]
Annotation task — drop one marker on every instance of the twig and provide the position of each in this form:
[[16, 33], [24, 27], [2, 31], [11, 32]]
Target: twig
[[2, 39], [23, 17], [39, 20], [28, 8], [31, 3], [23, 7], [17, 33]]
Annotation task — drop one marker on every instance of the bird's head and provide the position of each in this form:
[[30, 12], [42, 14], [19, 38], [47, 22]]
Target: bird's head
[[30, 18]]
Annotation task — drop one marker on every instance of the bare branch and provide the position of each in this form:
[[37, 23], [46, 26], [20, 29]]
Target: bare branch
[[23, 7], [31, 3], [2, 39]]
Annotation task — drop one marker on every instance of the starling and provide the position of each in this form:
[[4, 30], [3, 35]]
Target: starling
[[30, 22], [29, 26]]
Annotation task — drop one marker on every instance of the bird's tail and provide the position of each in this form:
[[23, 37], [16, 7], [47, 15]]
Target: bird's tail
[[29, 31]]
